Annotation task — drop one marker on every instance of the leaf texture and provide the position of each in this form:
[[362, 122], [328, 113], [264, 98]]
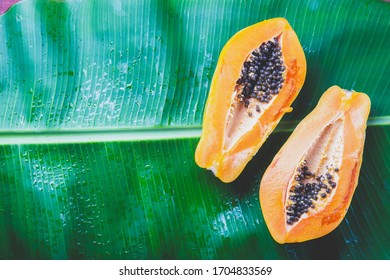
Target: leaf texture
[[67, 64], [148, 200]]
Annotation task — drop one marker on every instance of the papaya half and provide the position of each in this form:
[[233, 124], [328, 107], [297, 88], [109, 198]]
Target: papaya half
[[307, 189], [260, 72]]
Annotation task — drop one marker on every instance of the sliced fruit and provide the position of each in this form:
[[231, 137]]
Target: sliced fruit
[[306, 191], [259, 73]]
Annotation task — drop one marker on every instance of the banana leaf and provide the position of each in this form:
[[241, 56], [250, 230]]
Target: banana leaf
[[101, 112]]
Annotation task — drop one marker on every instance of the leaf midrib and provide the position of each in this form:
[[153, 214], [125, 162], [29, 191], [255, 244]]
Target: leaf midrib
[[114, 134]]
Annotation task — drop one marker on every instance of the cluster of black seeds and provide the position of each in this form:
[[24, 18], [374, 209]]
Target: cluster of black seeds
[[262, 74], [303, 194]]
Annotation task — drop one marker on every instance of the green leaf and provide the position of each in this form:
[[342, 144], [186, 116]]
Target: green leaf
[[101, 113]]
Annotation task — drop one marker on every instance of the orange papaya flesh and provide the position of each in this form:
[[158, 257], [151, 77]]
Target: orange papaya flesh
[[259, 73], [307, 189]]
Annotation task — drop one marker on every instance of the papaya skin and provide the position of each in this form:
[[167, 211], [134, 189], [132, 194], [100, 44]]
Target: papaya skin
[[213, 152], [350, 110]]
